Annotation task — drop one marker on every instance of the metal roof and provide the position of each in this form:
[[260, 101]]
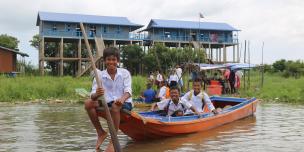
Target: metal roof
[[77, 18], [15, 51], [158, 23]]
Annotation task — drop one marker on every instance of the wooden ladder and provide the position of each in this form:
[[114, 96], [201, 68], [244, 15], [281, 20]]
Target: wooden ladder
[[100, 46]]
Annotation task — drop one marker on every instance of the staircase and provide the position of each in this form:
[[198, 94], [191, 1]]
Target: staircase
[[100, 46]]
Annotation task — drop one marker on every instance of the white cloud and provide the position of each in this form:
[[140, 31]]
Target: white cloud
[[279, 23]]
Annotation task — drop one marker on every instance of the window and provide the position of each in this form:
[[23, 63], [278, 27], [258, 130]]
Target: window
[[78, 30], [69, 27], [167, 35], [118, 29], [54, 27], [105, 29], [92, 30]]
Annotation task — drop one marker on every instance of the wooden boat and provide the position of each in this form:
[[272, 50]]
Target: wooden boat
[[151, 125]]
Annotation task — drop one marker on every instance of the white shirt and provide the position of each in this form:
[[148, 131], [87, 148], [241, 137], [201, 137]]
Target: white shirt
[[114, 89], [172, 107], [151, 77], [162, 93], [196, 101], [173, 77], [159, 77], [239, 73], [179, 72]]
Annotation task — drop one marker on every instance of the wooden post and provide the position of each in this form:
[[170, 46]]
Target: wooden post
[[41, 57], [220, 54], [238, 52], [79, 56], [61, 57], [225, 54], [102, 99], [233, 53]]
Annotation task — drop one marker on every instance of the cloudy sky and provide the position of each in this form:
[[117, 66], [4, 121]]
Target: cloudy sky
[[277, 23]]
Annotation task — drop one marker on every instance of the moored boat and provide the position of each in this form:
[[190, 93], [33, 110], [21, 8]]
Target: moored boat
[[152, 125]]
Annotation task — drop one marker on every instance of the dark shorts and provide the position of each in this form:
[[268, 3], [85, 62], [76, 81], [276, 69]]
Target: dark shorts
[[125, 105]]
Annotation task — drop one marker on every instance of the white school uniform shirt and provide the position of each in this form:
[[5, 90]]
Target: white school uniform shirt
[[179, 72], [114, 89], [172, 107], [162, 93], [173, 77], [196, 101], [159, 77]]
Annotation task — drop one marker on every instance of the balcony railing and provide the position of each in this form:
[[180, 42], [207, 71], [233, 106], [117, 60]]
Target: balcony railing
[[139, 36]]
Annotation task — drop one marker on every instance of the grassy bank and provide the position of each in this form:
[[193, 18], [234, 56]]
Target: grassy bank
[[275, 88], [29, 88]]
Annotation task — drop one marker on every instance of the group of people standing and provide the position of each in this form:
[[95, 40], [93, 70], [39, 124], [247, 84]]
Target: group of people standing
[[158, 79]]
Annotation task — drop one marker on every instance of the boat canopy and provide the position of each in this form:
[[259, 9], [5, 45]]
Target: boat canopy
[[231, 66]]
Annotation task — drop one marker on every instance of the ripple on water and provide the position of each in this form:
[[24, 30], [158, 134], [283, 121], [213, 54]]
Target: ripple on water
[[275, 127]]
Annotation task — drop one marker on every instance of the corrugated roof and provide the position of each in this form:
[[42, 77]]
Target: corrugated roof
[[15, 51], [76, 18], [158, 23]]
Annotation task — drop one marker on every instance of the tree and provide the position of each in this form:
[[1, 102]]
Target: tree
[[8, 41], [279, 66], [35, 41], [132, 56]]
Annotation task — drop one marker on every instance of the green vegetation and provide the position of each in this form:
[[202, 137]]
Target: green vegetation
[[8, 41], [30, 88], [275, 88], [287, 68]]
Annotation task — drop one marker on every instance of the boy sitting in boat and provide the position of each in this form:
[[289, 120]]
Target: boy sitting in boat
[[174, 106], [198, 98], [116, 89]]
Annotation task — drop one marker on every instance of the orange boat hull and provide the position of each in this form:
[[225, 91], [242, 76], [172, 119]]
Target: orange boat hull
[[139, 128]]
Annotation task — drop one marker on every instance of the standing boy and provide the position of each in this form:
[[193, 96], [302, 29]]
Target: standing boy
[[116, 83]]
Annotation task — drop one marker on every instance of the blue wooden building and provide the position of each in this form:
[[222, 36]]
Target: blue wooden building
[[214, 37], [62, 29]]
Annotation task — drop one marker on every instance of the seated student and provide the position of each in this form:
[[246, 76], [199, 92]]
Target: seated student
[[174, 106], [163, 91], [198, 98], [149, 94]]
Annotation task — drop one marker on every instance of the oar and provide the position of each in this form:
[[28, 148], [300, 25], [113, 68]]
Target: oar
[[102, 99]]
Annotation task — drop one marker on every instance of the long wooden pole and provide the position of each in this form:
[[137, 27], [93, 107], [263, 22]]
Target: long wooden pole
[[102, 99]]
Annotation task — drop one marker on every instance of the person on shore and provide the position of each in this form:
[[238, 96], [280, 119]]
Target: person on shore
[[198, 98], [149, 94], [116, 88], [174, 106], [164, 91], [151, 77], [232, 81], [173, 79], [179, 73], [159, 78]]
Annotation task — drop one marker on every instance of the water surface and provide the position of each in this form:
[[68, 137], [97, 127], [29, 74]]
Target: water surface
[[62, 127]]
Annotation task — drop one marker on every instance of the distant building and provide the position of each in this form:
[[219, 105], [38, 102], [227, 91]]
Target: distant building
[[103, 31], [214, 37], [8, 60], [61, 28]]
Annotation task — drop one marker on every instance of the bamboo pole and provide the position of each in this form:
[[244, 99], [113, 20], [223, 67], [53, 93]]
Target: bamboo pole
[[102, 99]]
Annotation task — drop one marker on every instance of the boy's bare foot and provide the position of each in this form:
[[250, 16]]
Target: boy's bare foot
[[110, 147], [100, 139]]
